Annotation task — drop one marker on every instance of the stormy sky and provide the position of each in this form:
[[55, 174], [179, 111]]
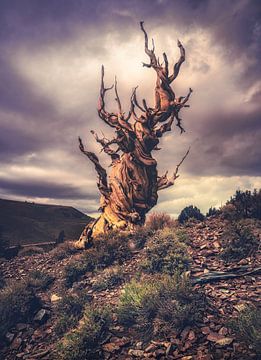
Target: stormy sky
[[51, 52]]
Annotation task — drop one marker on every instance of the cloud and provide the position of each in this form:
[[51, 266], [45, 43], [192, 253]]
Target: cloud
[[51, 54], [41, 189]]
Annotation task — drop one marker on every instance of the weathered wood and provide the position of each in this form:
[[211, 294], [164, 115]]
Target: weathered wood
[[220, 275], [131, 189]]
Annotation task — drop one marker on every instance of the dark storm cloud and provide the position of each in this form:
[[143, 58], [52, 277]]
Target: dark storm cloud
[[15, 142], [226, 143], [43, 189], [18, 95]]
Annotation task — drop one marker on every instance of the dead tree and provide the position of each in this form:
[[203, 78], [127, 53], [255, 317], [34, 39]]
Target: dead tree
[[131, 189]]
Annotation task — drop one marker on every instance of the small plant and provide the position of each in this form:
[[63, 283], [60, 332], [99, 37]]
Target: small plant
[[183, 236], [165, 253], [190, 212], [64, 250], [84, 342], [108, 249], [137, 239], [238, 242], [247, 204], [159, 221], [31, 250], [75, 269], [17, 304], [40, 280], [70, 310], [160, 306], [247, 327], [111, 277]]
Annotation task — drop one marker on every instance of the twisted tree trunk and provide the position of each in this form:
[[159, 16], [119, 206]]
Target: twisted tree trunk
[[132, 187]]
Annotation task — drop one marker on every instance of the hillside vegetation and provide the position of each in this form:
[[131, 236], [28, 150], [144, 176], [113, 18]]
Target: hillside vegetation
[[174, 289]]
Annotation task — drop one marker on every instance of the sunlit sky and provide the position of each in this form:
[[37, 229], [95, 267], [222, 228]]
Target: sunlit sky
[[51, 54]]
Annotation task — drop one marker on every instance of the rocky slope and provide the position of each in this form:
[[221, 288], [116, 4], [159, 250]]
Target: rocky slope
[[211, 338]]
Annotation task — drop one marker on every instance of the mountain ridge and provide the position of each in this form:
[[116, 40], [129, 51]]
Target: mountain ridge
[[29, 222]]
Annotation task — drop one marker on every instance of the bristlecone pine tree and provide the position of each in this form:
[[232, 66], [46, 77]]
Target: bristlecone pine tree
[[131, 189]]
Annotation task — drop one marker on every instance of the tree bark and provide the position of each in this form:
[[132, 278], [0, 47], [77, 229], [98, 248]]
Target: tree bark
[[131, 189]]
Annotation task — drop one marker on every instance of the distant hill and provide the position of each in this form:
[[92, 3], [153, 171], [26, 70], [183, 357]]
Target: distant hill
[[25, 222]]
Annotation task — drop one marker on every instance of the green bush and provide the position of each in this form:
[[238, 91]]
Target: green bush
[[247, 327], [17, 304], [111, 277], [212, 211], [40, 280], [70, 310], [229, 212], [238, 241], [84, 342], [159, 221], [165, 253], [247, 204], [183, 236], [75, 269], [108, 249], [160, 306], [190, 212]]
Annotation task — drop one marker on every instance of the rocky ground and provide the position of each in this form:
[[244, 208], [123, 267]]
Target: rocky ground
[[211, 339]]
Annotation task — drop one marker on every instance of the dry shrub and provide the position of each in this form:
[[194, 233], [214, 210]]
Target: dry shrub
[[39, 279], [31, 250], [17, 304], [247, 327], [64, 250], [159, 220]]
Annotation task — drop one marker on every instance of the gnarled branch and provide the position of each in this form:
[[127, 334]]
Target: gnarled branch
[[106, 146], [150, 53], [179, 105], [102, 174], [109, 118], [164, 182], [178, 64]]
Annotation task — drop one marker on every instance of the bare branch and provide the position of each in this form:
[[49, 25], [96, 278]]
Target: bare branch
[[150, 53], [179, 105], [182, 130], [117, 96], [186, 98], [145, 105], [178, 64], [109, 118], [102, 174], [164, 182], [106, 146], [165, 127], [136, 101], [166, 64]]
